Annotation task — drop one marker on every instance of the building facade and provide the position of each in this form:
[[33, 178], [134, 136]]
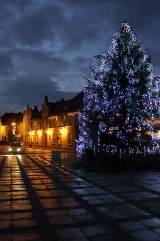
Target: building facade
[[54, 126], [11, 127]]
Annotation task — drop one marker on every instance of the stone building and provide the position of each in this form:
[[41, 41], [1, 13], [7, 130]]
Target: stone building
[[54, 126], [11, 127]]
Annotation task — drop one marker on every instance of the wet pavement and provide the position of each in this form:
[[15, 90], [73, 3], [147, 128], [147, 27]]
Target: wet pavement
[[41, 202]]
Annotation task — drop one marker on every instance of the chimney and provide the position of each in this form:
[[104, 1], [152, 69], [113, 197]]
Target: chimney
[[46, 98]]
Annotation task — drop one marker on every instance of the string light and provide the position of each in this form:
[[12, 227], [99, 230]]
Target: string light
[[122, 95]]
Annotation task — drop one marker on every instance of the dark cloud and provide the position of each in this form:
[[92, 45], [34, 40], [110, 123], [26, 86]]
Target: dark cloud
[[38, 25], [25, 90], [46, 47], [5, 63]]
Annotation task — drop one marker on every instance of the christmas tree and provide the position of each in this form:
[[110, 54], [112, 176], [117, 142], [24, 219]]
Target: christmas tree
[[121, 100], [88, 121]]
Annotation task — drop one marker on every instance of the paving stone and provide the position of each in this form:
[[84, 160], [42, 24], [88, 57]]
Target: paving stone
[[104, 238], [145, 235], [90, 198], [59, 193], [5, 224], [26, 237], [66, 199], [152, 222], [5, 203], [109, 198], [94, 231], [6, 188], [69, 233], [154, 205], [77, 215], [21, 207], [70, 204], [19, 195], [96, 190], [6, 237], [2, 183], [19, 188], [48, 181], [85, 184], [122, 188], [81, 191], [49, 203], [72, 185], [50, 186], [21, 202], [77, 211], [5, 208], [132, 226], [61, 220], [125, 211], [5, 195], [18, 181], [97, 202], [55, 213], [80, 239], [24, 223], [39, 187], [36, 182], [22, 215], [43, 193], [5, 216], [103, 210], [84, 218]]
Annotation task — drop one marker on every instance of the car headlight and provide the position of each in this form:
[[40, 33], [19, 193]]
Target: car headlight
[[18, 149], [10, 149]]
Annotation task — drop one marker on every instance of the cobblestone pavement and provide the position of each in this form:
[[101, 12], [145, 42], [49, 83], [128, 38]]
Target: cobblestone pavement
[[40, 202]]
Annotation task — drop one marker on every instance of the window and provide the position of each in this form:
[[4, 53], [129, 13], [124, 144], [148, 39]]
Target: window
[[69, 120], [52, 122], [59, 139], [45, 123], [54, 139], [69, 139], [37, 138]]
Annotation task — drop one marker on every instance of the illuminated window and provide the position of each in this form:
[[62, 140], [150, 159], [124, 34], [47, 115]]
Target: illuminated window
[[37, 138], [54, 139]]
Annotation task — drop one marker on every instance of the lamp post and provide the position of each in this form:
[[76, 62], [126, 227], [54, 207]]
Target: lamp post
[[12, 131]]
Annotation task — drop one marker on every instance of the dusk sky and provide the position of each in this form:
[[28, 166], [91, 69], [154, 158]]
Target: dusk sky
[[47, 46]]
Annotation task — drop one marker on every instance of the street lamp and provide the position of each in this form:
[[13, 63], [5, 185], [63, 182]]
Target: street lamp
[[62, 129], [13, 128]]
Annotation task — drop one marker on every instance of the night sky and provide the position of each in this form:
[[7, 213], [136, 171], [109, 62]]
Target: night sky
[[47, 46]]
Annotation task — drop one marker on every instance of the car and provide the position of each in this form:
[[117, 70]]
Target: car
[[16, 147]]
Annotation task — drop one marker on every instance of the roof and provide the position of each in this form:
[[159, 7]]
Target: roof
[[62, 106], [8, 118], [36, 114]]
